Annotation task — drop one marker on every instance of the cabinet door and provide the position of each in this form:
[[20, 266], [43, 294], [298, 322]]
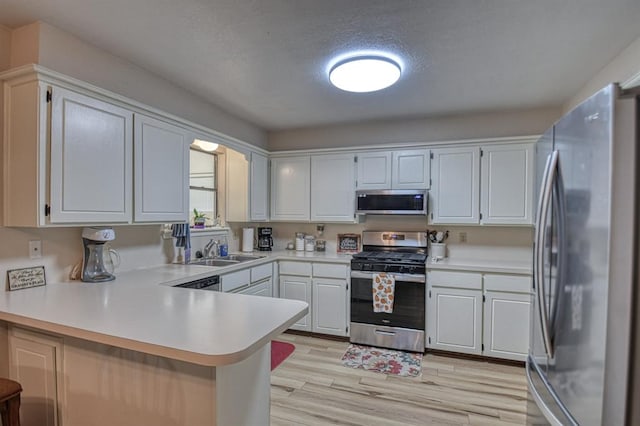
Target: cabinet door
[[507, 184], [161, 171], [454, 320], [262, 288], [297, 288], [330, 306], [91, 160], [259, 188], [290, 183], [506, 325], [411, 169], [456, 185], [333, 188], [235, 280], [237, 187], [35, 361], [374, 170]]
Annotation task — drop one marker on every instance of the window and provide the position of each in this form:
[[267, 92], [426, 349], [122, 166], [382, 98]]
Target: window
[[203, 192]]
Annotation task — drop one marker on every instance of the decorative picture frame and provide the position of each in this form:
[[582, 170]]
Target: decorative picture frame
[[18, 279], [348, 243]]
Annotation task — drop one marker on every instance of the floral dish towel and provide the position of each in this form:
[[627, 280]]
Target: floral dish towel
[[383, 286]]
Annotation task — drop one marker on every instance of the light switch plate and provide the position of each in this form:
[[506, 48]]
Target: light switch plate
[[35, 249]]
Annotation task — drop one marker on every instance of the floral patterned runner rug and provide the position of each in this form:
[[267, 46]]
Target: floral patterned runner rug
[[385, 361]]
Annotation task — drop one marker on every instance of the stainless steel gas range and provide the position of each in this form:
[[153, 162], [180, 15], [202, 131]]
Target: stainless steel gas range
[[402, 256]]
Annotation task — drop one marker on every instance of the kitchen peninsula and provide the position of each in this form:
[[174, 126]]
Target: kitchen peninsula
[[138, 351]]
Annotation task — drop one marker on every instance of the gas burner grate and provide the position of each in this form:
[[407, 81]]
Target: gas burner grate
[[391, 257]]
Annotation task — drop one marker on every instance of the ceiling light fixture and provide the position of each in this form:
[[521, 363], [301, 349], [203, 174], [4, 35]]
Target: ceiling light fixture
[[365, 73], [205, 145]]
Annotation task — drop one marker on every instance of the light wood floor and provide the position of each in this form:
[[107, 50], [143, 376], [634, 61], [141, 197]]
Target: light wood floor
[[312, 387]]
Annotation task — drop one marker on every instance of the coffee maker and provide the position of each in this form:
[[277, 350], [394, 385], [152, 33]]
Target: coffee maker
[[96, 255], [265, 240]]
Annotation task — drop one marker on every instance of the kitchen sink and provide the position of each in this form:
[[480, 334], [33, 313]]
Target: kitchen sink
[[241, 257], [231, 259], [214, 262]]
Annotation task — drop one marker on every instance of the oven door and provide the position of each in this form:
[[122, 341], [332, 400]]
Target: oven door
[[408, 305]]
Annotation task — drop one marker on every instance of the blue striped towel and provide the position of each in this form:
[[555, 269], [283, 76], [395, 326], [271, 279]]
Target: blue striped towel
[[182, 235]]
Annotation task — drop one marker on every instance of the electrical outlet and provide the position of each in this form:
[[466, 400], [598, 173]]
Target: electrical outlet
[[35, 249], [462, 237]]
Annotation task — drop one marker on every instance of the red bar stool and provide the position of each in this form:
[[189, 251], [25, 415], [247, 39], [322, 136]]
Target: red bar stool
[[10, 402]]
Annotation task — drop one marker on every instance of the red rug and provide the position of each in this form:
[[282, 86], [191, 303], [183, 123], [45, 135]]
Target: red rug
[[279, 352]]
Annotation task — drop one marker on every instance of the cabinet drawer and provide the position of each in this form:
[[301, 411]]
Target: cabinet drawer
[[470, 280], [510, 283], [261, 272], [295, 268], [235, 280], [330, 270]]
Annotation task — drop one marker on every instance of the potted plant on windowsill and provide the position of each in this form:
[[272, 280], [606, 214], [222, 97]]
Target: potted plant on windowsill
[[198, 219]]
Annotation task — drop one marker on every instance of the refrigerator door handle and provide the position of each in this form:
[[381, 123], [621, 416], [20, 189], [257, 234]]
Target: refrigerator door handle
[[543, 207]]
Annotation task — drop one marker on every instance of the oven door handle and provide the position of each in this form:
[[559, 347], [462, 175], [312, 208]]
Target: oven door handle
[[409, 278]]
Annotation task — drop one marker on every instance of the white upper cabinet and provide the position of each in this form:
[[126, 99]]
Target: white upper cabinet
[[247, 185], [68, 157], [290, 184], [507, 184], [410, 169], [333, 188], [259, 188], [91, 159], [374, 170], [161, 173], [488, 185], [237, 189], [401, 169], [456, 185]]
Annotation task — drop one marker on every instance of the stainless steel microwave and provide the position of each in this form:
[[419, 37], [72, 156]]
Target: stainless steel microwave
[[393, 201]]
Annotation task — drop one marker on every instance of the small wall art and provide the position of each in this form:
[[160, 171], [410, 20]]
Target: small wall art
[[18, 279]]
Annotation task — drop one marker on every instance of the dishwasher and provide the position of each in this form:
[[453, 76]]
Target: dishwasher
[[210, 283]]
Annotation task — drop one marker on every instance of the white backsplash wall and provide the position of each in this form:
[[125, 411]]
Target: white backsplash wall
[[482, 242], [138, 246]]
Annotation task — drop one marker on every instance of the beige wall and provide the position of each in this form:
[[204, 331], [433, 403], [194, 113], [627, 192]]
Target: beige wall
[[624, 67], [62, 52], [5, 48], [483, 242], [487, 125]]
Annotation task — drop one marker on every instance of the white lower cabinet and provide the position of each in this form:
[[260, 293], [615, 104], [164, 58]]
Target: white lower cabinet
[[35, 361], [257, 281], [297, 288], [481, 314], [506, 316], [454, 312], [261, 288], [325, 287], [329, 306]]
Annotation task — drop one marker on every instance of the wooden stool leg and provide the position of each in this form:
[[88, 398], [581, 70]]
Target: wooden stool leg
[[10, 412]]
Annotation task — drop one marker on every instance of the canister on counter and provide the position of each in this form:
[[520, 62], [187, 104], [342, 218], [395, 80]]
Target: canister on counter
[[309, 243]]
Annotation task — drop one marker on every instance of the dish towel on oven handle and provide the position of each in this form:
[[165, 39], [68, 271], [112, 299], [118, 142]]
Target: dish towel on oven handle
[[383, 287]]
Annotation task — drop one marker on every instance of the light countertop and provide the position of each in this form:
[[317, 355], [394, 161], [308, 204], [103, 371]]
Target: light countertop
[[482, 265], [137, 312]]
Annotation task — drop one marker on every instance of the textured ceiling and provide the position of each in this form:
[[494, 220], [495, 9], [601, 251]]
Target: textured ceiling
[[266, 60]]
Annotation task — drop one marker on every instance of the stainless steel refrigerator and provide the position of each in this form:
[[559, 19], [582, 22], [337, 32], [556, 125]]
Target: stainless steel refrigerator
[[584, 358]]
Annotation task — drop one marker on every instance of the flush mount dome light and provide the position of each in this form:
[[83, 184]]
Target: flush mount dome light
[[364, 73]]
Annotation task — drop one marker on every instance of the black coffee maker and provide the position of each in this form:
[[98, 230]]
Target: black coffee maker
[[265, 240]]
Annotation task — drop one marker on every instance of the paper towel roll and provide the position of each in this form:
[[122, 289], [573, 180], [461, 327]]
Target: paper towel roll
[[247, 240]]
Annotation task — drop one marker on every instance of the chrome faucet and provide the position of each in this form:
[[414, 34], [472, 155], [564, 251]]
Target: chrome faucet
[[211, 249]]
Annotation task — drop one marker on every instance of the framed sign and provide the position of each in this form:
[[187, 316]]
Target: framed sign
[[348, 243], [25, 278]]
